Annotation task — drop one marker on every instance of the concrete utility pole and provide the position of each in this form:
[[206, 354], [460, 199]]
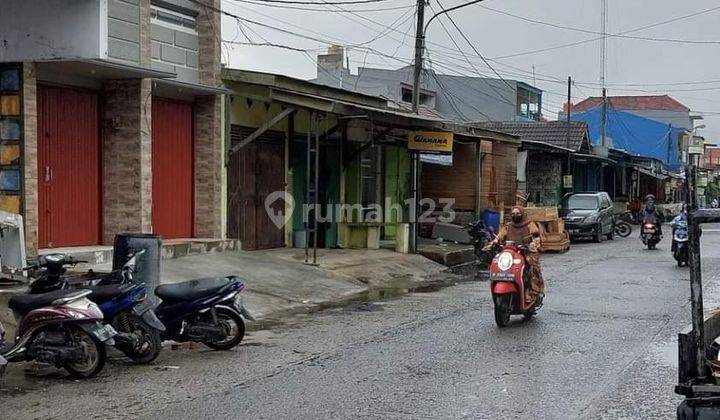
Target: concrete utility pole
[[415, 164], [420, 32], [569, 98], [603, 123]]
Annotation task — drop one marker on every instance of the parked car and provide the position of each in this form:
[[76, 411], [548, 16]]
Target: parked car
[[588, 214]]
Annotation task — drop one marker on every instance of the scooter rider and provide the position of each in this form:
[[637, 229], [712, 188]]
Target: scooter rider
[[680, 218], [649, 214], [524, 232]]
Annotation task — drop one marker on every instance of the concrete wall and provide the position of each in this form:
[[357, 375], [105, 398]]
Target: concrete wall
[[678, 119], [544, 177], [47, 29], [123, 30], [175, 47], [459, 98]]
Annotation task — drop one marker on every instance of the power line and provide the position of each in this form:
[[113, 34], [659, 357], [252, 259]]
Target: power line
[[618, 35], [316, 3], [638, 29], [310, 9], [473, 47]]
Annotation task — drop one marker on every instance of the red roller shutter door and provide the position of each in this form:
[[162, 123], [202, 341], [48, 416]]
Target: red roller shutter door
[[68, 167], [172, 168]]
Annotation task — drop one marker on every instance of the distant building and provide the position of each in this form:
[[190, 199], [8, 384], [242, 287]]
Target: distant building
[[457, 98], [661, 108]]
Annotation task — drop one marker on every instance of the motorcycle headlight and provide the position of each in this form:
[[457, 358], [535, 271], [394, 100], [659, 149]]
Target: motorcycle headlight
[[505, 261]]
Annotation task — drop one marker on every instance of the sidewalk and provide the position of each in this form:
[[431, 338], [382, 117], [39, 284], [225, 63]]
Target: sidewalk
[[278, 283]]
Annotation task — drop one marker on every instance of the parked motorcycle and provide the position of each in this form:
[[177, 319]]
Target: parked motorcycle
[[680, 243], [508, 285], [650, 235], [125, 305], [622, 228], [61, 328], [480, 238], [209, 311]]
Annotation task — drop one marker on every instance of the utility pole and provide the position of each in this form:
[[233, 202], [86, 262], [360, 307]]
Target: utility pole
[[569, 98], [415, 164], [603, 123]]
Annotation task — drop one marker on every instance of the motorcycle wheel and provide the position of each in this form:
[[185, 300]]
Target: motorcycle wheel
[[503, 306], [623, 229], [149, 349], [235, 330], [94, 352]]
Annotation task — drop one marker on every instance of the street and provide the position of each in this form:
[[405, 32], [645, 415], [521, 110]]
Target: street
[[603, 346]]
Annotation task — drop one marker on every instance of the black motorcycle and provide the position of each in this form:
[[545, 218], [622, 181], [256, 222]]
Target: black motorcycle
[[650, 234], [480, 238]]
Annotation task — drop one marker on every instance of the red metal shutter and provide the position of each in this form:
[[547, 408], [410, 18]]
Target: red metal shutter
[[68, 167], [172, 168]]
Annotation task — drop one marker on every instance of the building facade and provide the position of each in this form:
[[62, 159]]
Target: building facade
[[111, 119], [457, 98]]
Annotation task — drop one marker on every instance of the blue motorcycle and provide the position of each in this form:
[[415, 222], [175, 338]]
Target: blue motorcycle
[[208, 311], [680, 243], [124, 304]]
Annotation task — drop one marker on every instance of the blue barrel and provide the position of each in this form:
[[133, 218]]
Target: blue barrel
[[491, 218]]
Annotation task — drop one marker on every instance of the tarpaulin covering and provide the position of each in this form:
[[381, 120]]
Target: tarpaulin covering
[[635, 134]]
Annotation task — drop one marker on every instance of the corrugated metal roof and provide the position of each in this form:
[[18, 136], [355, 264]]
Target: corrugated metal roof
[[554, 133]]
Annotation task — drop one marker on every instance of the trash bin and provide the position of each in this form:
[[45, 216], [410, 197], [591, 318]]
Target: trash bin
[[147, 266]]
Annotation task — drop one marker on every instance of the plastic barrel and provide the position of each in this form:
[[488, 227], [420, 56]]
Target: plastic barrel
[[491, 218], [147, 265]]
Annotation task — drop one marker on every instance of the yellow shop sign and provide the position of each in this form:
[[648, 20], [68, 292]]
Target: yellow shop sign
[[431, 141]]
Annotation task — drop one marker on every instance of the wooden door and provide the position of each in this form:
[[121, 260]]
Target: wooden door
[[172, 168], [255, 172], [68, 167]]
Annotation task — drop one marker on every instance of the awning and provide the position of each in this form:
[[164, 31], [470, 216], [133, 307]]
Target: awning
[[101, 69], [650, 173], [593, 157], [181, 90]]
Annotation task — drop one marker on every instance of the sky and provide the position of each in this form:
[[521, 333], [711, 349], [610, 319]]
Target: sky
[[512, 45]]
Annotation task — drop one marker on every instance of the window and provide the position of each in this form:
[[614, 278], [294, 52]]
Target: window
[[173, 19]]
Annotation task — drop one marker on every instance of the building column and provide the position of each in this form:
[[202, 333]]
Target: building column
[[127, 157], [30, 157], [208, 140]]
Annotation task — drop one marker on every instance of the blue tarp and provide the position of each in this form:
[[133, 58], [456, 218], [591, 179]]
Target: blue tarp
[[634, 134]]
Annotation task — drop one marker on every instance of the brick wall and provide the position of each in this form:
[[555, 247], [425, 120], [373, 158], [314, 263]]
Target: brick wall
[[30, 148], [209, 150], [127, 157], [208, 166]]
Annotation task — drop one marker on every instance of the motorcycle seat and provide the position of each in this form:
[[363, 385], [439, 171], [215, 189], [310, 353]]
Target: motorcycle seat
[[108, 292], [25, 303], [191, 290]]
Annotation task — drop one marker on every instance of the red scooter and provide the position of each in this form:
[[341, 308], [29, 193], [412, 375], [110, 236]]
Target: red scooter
[[508, 284], [62, 328]]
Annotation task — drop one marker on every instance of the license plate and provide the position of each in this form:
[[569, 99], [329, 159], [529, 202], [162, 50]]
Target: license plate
[[104, 332], [574, 231]]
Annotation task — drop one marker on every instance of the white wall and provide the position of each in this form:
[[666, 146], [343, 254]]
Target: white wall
[[52, 29]]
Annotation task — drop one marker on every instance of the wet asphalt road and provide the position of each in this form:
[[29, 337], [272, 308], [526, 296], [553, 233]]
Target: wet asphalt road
[[603, 346]]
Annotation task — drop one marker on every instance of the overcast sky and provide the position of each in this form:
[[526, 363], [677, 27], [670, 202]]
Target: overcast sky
[[643, 63]]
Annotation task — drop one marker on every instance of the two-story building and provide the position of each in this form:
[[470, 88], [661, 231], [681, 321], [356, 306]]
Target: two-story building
[[110, 119], [454, 97]]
